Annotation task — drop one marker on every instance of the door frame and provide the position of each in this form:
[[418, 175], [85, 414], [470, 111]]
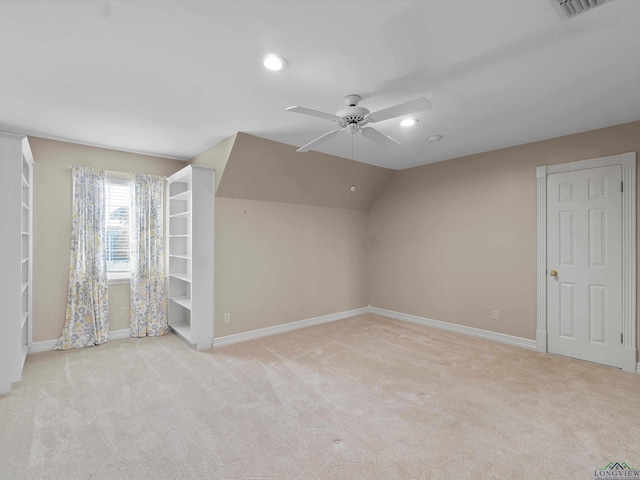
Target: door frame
[[628, 163]]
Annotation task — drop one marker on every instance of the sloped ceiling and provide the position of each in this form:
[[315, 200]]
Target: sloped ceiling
[[254, 168], [174, 77]]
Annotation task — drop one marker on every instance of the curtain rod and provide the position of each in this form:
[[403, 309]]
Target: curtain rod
[[69, 167]]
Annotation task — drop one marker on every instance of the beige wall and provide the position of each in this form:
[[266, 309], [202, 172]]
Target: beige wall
[[277, 262], [260, 169], [450, 241], [453, 241], [52, 226], [216, 157], [290, 235]]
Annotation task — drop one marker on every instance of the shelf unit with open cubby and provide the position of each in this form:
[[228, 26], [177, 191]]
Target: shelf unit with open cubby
[[189, 213]]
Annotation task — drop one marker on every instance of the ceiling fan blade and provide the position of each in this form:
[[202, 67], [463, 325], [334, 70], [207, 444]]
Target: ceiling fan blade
[[313, 113], [379, 138], [417, 105], [323, 138]]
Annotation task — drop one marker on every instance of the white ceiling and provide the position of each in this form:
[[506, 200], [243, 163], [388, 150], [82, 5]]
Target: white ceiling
[[172, 78]]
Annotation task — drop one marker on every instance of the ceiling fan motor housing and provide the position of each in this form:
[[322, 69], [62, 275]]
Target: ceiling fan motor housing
[[353, 119], [352, 116]]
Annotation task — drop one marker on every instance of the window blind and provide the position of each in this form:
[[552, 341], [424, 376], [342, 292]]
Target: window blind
[[118, 193]]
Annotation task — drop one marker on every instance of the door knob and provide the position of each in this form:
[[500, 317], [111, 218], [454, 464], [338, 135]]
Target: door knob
[[553, 273]]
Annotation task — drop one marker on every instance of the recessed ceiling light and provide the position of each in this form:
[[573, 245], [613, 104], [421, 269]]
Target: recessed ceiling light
[[409, 122], [274, 62], [435, 138]]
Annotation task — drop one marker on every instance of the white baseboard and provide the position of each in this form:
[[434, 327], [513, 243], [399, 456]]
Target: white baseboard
[[119, 334], [44, 346], [287, 327], [628, 360], [474, 332], [452, 327], [541, 340], [48, 345]]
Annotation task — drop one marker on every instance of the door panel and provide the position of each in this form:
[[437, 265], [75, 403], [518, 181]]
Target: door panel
[[584, 246], [597, 237], [567, 308], [567, 239], [597, 313]]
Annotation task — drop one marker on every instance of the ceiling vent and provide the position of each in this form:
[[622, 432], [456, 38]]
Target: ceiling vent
[[570, 8]]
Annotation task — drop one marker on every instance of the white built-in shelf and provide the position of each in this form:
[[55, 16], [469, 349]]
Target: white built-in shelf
[[16, 243], [182, 329], [186, 195], [181, 276], [180, 215], [182, 301], [189, 213]]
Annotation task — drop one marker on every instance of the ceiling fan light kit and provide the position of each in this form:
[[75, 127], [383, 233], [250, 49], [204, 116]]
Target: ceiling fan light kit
[[273, 62], [354, 119]]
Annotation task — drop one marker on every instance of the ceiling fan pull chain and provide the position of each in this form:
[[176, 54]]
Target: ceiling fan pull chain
[[352, 140]]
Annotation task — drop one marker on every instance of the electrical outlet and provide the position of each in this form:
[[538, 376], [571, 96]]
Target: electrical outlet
[[496, 315], [227, 317], [123, 312]]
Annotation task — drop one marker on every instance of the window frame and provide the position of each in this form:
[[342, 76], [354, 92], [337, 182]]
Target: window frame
[[116, 278]]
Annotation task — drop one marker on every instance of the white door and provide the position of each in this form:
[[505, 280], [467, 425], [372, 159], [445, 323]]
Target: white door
[[584, 264]]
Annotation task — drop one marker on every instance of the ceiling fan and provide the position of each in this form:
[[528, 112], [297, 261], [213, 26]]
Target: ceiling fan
[[353, 119]]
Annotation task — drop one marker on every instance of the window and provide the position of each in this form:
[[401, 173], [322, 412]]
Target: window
[[118, 200]]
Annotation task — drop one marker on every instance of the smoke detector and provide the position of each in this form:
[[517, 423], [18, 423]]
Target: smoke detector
[[570, 8]]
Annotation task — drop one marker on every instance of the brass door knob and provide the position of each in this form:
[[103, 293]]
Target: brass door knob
[[553, 273]]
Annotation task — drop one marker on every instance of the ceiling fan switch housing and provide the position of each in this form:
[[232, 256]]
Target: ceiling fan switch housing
[[352, 100]]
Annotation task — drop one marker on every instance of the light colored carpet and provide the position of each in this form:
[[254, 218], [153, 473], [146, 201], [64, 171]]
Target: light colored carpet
[[363, 398]]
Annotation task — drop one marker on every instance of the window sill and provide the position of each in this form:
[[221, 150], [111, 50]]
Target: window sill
[[119, 280]]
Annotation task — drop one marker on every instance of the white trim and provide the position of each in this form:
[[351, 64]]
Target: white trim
[[119, 334], [45, 346], [119, 280], [541, 259], [452, 327], [118, 178], [287, 327], [624, 159], [628, 163], [48, 345], [629, 262]]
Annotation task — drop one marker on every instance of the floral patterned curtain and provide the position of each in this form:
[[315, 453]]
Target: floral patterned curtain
[[87, 322], [148, 291]]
